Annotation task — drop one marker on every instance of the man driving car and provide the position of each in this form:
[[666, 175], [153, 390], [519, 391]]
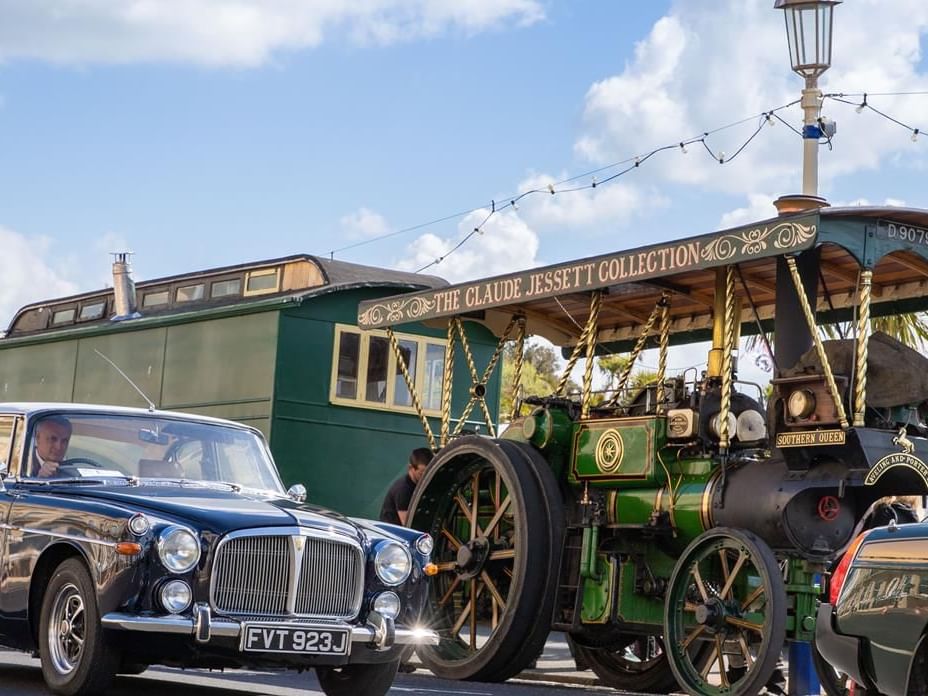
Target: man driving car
[[52, 435]]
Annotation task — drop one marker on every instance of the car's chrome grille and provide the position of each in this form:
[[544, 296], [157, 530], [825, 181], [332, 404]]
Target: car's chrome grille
[[322, 562], [265, 575]]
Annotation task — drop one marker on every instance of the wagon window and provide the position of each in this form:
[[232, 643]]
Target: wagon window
[[366, 373], [63, 316], [190, 293], [378, 357], [401, 395], [153, 299], [261, 282], [434, 370], [225, 288], [349, 350], [92, 311]]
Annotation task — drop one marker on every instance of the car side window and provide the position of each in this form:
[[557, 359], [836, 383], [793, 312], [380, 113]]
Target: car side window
[[6, 442]]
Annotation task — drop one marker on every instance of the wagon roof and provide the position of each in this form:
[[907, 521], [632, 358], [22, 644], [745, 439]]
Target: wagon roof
[[555, 299]]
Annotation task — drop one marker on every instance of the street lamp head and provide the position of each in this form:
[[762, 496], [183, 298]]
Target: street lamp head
[[808, 32]]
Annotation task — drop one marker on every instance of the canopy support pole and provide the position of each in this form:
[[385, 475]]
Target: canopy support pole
[[410, 385], [817, 340], [517, 371], [863, 337], [662, 354]]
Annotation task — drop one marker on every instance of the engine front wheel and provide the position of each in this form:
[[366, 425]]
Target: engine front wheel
[[494, 513], [76, 661]]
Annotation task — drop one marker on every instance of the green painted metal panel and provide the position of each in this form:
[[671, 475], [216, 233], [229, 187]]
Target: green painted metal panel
[[140, 354], [38, 373], [225, 361], [609, 452]]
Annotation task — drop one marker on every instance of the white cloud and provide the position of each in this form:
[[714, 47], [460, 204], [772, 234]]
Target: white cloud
[[363, 223], [507, 244], [759, 207], [613, 203], [705, 64], [25, 276], [232, 32]]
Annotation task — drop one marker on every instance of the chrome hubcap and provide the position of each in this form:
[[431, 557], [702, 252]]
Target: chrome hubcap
[[67, 630]]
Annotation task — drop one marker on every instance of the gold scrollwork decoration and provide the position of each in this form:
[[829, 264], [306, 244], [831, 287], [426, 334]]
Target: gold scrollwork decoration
[[400, 310], [786, 235]]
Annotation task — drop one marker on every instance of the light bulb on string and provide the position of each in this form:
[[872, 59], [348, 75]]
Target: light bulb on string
[[721, 158], [915, 135], [683, 148], [862, 104], [551, 189]]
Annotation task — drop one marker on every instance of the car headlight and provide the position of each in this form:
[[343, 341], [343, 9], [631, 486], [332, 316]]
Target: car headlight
[[801, 403], [751, 426], [387, 604], [392, 563], [715, 425], [424, 544], [176, 596], [179, 549]]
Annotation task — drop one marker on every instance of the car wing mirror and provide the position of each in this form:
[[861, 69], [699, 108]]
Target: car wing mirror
[[297, 492]]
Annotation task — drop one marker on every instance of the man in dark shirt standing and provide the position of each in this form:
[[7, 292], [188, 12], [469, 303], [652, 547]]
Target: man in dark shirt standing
[[396, 503]]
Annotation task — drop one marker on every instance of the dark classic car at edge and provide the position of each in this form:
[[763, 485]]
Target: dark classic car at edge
[[166, 538], [874, 627]]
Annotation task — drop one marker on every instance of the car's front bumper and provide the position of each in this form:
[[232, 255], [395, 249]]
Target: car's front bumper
[[378, 633], [841, 651]]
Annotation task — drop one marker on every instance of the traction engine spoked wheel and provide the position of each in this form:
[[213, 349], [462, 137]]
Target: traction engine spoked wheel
[[727, 592], [488, 506]]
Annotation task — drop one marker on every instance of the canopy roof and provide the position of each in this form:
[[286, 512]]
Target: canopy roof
[[555, 299]]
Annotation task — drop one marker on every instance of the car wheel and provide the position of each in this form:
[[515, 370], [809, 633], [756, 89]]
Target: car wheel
[[357, 680], [75, 658]]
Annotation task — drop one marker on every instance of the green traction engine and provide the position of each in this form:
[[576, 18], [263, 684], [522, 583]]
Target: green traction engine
[[680, 532]]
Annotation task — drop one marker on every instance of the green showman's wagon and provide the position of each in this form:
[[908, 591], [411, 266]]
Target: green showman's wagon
[[681, 532]]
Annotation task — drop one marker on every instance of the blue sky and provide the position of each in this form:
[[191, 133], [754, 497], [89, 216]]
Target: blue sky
[[212, 132]]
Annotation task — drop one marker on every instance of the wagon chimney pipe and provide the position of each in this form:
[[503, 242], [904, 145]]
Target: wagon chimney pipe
[[123, 288]]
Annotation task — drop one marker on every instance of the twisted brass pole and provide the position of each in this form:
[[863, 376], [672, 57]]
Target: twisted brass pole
[[591, 334], [446, 381], [863, 336], [817, 340], [517, 370], [662, 355], [728, 348]]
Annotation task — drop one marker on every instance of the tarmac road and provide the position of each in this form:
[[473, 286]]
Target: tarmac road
[[20, 676]]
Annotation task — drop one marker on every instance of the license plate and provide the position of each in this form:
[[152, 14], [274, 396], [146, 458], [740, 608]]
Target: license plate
[[304, 640]]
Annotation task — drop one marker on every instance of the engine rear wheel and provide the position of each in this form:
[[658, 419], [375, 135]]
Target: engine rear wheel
[[497, 548], [727, 592]]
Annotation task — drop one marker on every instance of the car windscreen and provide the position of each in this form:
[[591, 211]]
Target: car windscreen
[[107, 445]]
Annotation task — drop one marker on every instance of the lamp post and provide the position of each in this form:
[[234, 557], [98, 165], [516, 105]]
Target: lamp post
[[808, 32]]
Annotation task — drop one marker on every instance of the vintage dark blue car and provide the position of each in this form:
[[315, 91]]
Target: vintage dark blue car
[[874, 628], [132, 537]]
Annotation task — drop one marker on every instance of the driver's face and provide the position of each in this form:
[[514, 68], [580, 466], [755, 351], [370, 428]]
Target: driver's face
[[51, 441]]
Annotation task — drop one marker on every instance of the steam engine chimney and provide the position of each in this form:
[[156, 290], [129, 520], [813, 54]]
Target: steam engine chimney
[[123, 288]]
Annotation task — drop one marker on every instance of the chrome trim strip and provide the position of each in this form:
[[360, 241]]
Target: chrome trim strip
[[225, 628], [58, 535]]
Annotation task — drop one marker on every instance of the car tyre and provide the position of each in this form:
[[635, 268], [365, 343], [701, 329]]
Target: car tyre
[[76, 661], [357, 680]]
